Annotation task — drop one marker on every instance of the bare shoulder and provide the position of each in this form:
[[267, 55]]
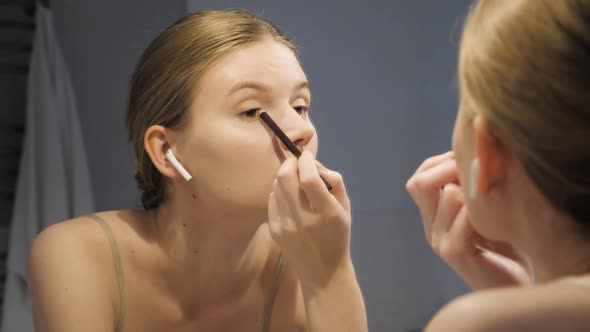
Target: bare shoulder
[[71, 277], [81, 237], [557, 306], [75, 238]]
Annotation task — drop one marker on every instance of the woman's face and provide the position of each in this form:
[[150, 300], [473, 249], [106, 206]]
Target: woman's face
[[232, 156]]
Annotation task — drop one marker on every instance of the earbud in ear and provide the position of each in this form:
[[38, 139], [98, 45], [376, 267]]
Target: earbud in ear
[[473, 178], [170, 156]]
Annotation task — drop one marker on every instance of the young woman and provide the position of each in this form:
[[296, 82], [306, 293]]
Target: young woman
[[509, 209], [217, 252]]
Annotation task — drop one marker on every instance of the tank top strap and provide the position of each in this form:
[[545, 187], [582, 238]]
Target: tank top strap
[[273, 294], [118, 268]]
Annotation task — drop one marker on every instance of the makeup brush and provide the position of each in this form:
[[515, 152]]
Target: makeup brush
[[281, 135]]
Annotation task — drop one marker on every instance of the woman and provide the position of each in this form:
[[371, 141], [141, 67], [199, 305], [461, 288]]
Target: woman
[[509, 208], [201, 256]]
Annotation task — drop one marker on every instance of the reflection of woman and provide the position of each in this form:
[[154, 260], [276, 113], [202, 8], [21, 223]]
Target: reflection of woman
[[200, 256], [515, 204]]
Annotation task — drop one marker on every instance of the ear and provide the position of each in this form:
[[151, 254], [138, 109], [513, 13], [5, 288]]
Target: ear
[[156, 144], [491, 153]]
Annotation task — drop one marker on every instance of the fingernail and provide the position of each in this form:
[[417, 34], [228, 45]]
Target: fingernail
[[321, 167]]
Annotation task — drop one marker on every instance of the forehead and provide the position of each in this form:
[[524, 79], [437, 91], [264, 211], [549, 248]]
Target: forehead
[[266, 61]]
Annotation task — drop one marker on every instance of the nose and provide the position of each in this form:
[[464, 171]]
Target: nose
[[299, 129]]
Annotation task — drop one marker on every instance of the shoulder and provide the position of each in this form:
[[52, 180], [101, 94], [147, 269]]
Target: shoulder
[[553, 307], [71, 268], [81, 242], [82, 236], [68, 239], [75, 238]]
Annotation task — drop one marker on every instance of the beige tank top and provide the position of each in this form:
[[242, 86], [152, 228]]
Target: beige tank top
[[119, 273]]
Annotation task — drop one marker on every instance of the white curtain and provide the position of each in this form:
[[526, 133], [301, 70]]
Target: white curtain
[[53, 182]]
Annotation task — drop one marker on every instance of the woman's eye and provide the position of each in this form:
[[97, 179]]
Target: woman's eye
[[251, 113], [301, 110]]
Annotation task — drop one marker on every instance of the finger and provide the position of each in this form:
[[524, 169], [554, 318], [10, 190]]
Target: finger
[[506, 250], [462, 230], [287, 184], [414, 183], [435, 160], [281, 225], [427, 185], [451, 201], [273, 210], [426, 165], [284, 207], [311, 183], [338, 188], [273, 215], [458, 243]]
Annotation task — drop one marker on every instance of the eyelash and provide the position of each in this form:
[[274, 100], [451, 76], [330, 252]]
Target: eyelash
[[304, 110], [252, 113]]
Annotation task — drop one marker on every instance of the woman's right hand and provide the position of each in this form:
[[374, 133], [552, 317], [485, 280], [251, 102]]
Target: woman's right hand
[[312, 226], [310, 223], [482, 263]]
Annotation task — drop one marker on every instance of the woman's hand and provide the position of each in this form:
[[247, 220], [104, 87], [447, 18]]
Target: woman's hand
[[312, 227], [310, 223], [482, 263]]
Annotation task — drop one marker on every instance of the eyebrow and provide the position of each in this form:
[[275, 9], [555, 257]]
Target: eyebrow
[[261, 87]]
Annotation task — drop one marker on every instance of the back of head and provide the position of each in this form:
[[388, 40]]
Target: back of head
[[525, 67], [167, 76]]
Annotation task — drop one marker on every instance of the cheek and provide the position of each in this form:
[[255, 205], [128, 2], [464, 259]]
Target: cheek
[[313, 145], [234, 165], [459, 151], [233, 152]]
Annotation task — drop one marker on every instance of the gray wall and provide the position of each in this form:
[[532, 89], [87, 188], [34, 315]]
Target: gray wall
[[102, 42], [384, 98], [384, 89]]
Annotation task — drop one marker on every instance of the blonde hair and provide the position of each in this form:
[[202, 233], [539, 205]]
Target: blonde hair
[[167, 76], [525, 67]]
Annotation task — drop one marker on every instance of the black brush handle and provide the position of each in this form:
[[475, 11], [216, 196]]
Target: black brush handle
[[281, 135]]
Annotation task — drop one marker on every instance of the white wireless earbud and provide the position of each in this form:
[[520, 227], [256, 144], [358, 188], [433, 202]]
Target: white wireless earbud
[[473, 178], [177, 165]]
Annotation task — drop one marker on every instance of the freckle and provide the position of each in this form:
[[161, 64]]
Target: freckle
[[226, 188], [195, 252], [183, 225], [132, 252], [194, 196]]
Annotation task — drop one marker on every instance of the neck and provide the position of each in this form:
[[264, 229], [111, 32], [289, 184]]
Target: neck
[[211, 256], [556, 246], [551, 239]]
